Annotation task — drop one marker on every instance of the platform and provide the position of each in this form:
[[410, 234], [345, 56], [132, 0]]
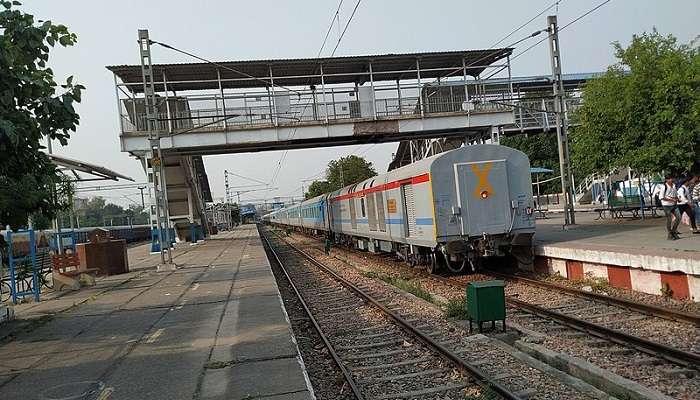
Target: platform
[[214, 328], [630, 253]]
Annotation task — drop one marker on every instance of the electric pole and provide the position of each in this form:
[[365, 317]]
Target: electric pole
[[157, 173], [562, 121]]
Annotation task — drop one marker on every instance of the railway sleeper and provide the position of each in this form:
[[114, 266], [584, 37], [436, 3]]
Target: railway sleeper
[[424, 392], [429, 372], [367, 356], [392, 365], [371, 345]]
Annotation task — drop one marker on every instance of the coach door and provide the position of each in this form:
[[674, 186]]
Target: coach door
[[371, 213], [409, 207], [353, 214], [483, 197]]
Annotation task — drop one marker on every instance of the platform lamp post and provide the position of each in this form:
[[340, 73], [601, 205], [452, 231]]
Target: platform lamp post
[[143, 203], [562, 121], [162, 217]]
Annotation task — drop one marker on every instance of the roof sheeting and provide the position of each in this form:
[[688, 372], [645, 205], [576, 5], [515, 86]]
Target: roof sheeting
[[82, 166], [295, 72]]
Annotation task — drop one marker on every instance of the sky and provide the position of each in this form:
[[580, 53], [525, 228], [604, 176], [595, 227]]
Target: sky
[[240, 30]]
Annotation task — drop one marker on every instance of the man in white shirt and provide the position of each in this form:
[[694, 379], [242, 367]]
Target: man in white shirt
[[695, 196], [685, 202], [669, 201]]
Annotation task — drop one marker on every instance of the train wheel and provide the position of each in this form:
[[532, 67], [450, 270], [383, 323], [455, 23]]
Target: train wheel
[[433, 266], [410, 261]]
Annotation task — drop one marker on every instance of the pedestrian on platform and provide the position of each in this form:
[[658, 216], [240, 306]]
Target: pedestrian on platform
[[669, 201], [695, 195], [685, 202]]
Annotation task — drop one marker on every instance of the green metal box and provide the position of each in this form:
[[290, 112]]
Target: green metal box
[[486, 301]]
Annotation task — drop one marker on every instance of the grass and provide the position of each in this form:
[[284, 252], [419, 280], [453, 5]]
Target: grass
[[407, 285], [457, 308], [413, 288], [598, 284]]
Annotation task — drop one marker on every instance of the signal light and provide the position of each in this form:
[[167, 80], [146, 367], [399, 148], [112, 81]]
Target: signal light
[[484, 194]]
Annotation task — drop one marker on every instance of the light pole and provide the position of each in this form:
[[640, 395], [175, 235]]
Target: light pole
[[143, 203]]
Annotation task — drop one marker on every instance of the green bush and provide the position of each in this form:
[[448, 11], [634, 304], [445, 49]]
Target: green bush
[[457, 308]]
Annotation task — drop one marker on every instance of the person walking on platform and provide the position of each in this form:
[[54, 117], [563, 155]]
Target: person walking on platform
[[669, 201], [695, 195], [685, 202]]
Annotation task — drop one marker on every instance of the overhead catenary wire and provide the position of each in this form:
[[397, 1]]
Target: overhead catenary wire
[[340, 38], [219, 65], [592, 10]]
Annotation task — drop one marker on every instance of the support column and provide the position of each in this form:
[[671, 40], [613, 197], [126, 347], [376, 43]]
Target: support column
[[420, 89], [466, 86], [398, 90], [323, 90], [167, 105], [223, 100], [273, 104], [374, 95]]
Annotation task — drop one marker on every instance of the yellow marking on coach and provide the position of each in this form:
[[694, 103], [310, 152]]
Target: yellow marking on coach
[[483, 188]]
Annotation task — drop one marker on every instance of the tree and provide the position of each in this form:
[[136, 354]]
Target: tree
[[644, 112], [31, 110], [348, 170], [318, 188], [342, 172], [543, 152]]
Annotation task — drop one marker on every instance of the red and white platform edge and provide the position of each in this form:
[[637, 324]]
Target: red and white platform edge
[[641, 270]]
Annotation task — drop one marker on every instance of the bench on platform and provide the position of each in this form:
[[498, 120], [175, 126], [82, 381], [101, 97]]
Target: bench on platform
[[68, 273], [618, 212]]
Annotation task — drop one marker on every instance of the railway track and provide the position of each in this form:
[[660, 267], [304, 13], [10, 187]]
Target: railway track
[[602, 329], [602, 321], [647, 309], [380, 354]]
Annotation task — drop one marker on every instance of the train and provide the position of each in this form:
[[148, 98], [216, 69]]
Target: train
[[450, 211]]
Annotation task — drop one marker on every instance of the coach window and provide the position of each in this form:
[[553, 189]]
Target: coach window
[[362, 205]]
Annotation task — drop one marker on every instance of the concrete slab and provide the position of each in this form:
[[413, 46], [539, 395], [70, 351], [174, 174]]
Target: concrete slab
[[242, 381], [152, 335], [254, 327]]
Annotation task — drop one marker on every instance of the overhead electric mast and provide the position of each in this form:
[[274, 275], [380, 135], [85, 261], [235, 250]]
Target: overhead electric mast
[[154, 160], [562, 122]]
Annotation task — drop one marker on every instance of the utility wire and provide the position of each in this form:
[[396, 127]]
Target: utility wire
[[340, 38], [346, 27], [265, 81], [245, 177], [546, 37]]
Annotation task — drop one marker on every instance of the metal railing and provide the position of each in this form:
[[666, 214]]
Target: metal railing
[[212, 112]]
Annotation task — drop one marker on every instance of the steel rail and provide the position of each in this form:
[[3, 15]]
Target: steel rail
[[656, 311], [483, 379], [669, 353], [348, 376]]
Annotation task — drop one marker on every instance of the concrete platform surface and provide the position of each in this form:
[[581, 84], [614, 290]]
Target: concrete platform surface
[[214, 328], [629, 253], [623, 234]]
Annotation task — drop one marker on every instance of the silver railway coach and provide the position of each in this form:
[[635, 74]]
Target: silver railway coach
[[447, 211]]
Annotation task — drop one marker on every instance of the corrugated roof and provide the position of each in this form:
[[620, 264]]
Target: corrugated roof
[[184, 75]]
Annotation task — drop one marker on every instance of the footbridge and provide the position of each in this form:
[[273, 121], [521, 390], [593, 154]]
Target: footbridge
[[533, 113], [245, 106]]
